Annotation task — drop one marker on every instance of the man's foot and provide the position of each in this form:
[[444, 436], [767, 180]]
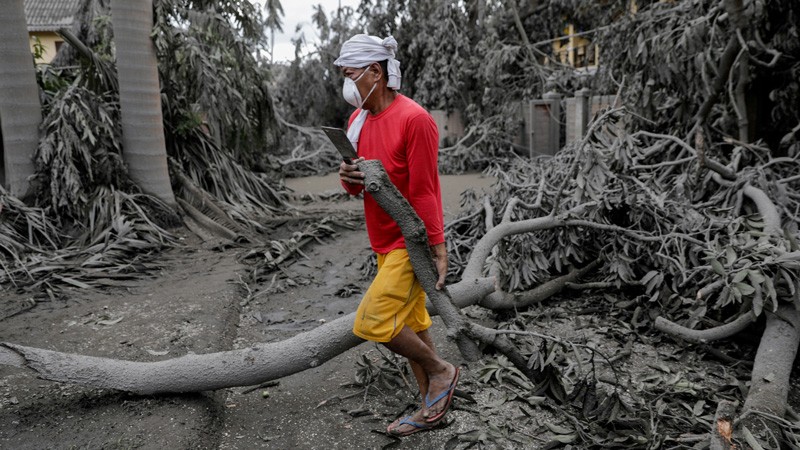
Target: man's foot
[[444, 385], [409, 425]]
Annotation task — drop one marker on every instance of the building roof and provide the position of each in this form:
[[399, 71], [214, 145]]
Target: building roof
[[50, 15]]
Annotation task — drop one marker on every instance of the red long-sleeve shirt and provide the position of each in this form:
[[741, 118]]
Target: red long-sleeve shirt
[[405, 139]]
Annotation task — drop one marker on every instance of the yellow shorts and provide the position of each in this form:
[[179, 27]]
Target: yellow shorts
[[394, 299]]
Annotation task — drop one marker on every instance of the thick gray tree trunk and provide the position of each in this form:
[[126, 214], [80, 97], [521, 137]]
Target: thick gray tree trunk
[[777, 350], [144, 147], [264, 362], [193, 373], [253, 365], [20, 110], [770, 380], [378, 184]]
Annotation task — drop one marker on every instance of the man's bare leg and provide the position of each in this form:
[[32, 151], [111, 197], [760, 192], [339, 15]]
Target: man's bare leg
[[422, 382], [419, 373], [438, 372]]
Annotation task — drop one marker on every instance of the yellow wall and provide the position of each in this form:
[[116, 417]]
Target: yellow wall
[[48, 40], [575, 51]]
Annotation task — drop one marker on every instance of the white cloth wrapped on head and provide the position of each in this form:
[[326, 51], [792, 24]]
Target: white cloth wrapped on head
[[362, 50]]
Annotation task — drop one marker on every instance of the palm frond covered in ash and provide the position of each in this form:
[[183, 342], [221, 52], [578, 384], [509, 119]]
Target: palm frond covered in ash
[[88, 219]]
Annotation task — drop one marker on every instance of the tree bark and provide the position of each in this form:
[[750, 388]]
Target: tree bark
[[193, 373], [466, 333], [259, 363], [378, 184], [264, 362], [703, 336], [20, 110], [770, 379], [144, 145]]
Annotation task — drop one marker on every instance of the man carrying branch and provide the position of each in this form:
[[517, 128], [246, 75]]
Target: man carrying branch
[[397, 131]]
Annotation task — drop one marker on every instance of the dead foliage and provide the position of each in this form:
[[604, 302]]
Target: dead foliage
[[672, 239], [277, 254]]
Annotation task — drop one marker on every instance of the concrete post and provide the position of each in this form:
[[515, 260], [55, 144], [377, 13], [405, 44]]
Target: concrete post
[[581, 112], [545, 124], [522, 137], [450, 125], [553, 100]]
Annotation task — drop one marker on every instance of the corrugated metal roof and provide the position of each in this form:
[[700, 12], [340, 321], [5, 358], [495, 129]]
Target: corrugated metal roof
[[50, 15]]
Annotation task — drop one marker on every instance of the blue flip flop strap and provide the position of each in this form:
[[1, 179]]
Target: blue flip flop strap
[[429, 403], [407, 421]]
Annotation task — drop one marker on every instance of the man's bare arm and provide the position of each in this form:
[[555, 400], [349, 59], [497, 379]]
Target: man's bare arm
[[440, 259]]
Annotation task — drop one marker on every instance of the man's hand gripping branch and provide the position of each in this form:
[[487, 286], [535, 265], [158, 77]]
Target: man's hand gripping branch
[[349, 172]]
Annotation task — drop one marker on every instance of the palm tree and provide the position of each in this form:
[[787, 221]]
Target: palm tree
[[144, 146], [20, 110], [274, 22]]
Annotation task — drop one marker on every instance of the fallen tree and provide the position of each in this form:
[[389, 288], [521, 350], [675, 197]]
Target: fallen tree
[[702, 248], [732, 246], [199, 372], [265, 362], [696, 236], [777, 350]]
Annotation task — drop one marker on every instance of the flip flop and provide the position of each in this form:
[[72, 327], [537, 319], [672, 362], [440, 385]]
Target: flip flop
[[448, 394], [417, 427]]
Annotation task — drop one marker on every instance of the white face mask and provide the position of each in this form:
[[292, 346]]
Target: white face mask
[[351, 94]]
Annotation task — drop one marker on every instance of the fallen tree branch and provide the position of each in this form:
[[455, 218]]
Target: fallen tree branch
[[378, 184], [767, 209], [777, 350], [704, 336], [193, 372], [722, 428], [769, 382], [778, 346], [206, 222], [511, 300], [201, 372], [726, 172], [484, 246]]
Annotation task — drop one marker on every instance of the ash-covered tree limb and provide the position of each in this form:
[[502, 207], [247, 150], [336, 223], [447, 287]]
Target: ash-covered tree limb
[[260, 362], [778, 346], [499, 300], [201, 372], [378, 184], [769, 381], [708, 335]]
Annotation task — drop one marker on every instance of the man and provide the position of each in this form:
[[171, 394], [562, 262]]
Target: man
[[403, 136]]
